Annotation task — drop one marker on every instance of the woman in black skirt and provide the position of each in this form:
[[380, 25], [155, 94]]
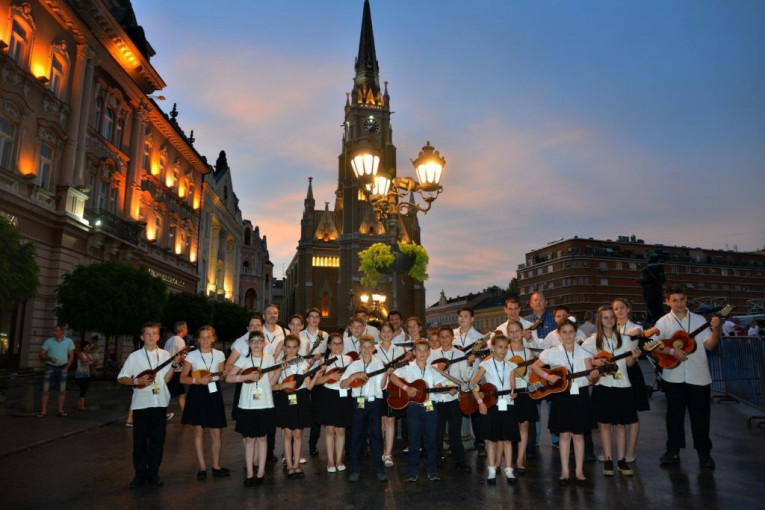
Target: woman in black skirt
[[612, 396], [570, 411], [255, 417], [333, 404], [525, 407], [293, 405], [387, 352], [503, 425], [625, 326], [204, 401]]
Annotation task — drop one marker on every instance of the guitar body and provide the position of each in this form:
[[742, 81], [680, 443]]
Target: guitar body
[[358, 383], [398, 398], [522, 364], [248, 371], [296, 378], [334, 375], [679, 341], [148, 372], [486, 392], [547, 388]]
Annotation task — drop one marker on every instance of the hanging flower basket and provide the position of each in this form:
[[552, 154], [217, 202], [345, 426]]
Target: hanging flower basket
[[420, 259], [374, 260]]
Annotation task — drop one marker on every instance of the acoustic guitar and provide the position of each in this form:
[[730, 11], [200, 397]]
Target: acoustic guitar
[[683, 341], [152, 372], [645, 344], [396, 363], [486, 392], [298, 378], [443, 363], [201, 373], [540, 388], [398, 398], [248, 371]]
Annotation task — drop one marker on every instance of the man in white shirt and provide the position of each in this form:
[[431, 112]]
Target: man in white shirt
[[274, 333], [368, 328], [688, 385], [397, 321], [464, 336], [513, 312], [174, 345]]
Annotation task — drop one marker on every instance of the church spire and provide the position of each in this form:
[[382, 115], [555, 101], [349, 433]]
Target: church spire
[[309, 203], [366, 86]]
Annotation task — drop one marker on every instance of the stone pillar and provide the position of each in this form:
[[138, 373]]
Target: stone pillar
[[135, 171], [87, 100], [73, 126], [212, 254]]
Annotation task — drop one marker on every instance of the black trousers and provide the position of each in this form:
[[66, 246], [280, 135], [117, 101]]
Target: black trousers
[[148, 440], [449, 412], [682, 396]]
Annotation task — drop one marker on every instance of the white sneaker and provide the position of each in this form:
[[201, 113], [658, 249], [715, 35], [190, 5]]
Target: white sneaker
[[509, 473], [169, 416], [387, 460], [629, 459], [492, 472], [331, 469], [601, 458], [341, 467], [302, 460]]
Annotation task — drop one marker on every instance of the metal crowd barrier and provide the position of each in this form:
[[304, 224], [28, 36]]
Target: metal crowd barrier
[[738, 371]]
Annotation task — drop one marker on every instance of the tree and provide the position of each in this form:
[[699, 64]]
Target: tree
[[229, 320], [195, 309], [18, 270], [110, 297], [513, 288]]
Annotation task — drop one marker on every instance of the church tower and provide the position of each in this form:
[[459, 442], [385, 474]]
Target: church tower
[[325, 268]]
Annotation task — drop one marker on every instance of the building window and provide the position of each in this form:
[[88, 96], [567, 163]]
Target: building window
[[604, 281], [550, 268], [245, 267], [107, 129], [99, 108], [617, 265], [633, 265], [56, 76], [18, 49], [118, 130], [101, 193], [112, 204], [325, 305], [45, 165], [146, 164], [7, 139], [604, 266]]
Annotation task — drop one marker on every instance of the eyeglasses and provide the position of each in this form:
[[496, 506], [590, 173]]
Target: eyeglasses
[[336, 343]]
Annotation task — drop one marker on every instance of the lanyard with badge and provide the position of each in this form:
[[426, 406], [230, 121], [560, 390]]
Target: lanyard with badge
[[257, 393], [211, 386], [611, 345], [292, 398], [574, 389], [360, 399], [502, 402], [428, 404], [154, 386]]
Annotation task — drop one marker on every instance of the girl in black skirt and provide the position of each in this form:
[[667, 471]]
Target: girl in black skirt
[[570, 411], [612, 396], [293, 407], [525, 407], [204, 401], [387, 352], [333, 404], [255, 415], [625, 326], [503, 425]]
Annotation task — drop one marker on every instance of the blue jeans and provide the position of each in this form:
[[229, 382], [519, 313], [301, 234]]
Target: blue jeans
[[368, 419], [422, 425]]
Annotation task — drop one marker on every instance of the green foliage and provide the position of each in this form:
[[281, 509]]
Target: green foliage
[[195, 309], [513, 288], [18, 270], [229, 320], [110, 297], [374, 259], [419, 270]]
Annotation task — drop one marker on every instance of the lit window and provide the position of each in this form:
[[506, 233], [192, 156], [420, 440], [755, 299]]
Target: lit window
[[7, 139], [146, 157], [108, 127], [45, 165], [18, 49], [101, 194], [56, 84]]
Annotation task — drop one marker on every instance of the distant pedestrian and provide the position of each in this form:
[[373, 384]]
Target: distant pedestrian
[[58, 353], [754, 330], [85, 367]]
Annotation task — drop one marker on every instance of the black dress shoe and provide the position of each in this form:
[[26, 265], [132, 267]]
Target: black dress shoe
[[669, 457], [136, 482], [154, 480], [563, 482], [520, 471], [271, 458], [202, 474], [221, 472], [259, 479], [314, 451], [491, 481], [461, 466], [581, 482], [249, 482], [706, 461]]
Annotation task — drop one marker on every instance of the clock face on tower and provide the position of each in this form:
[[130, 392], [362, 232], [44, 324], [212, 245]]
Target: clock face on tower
[[371, 126]]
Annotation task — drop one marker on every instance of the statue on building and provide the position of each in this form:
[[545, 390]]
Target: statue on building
[[651, 280]]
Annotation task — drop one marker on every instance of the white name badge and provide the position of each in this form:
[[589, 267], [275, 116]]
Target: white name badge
[[212, 387], [501, 404], [343, 392], [574, 388]]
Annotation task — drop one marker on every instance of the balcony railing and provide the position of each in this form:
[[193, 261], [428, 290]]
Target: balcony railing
[[128, 231]]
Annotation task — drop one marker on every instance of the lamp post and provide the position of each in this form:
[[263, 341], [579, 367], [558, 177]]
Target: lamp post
[[398, 195]]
